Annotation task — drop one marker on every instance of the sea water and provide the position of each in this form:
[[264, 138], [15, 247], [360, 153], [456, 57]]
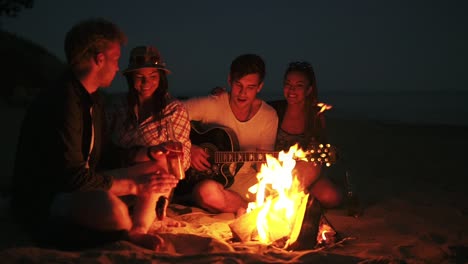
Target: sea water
[[447, 108]]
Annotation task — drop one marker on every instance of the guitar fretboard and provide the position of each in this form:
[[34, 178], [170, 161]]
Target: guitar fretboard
[[318, 155], [242, 156]]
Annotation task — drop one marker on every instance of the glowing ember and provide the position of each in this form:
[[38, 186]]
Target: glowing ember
[[326, 234], [280, 201], [324, 107]]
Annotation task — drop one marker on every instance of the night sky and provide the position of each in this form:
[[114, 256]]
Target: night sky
[[355, 46]]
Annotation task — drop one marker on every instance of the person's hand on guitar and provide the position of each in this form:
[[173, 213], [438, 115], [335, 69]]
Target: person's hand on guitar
[[199, 158]]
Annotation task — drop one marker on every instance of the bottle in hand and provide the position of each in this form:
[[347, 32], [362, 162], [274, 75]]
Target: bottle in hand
[[175, 154]]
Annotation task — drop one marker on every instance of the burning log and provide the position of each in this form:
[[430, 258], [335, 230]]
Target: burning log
[[283, 215], [244, 228], [276, 227], [307, 238]]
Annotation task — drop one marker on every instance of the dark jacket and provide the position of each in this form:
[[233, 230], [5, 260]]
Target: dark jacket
[[53, 148]]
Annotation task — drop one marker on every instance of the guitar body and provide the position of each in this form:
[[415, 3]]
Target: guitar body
[[213, 140], [225, 158]]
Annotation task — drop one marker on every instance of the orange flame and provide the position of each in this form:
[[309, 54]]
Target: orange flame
[[326, 234], [279, 198], [324, 107]]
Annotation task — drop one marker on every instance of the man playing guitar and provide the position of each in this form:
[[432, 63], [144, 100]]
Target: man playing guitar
[[252, 120]]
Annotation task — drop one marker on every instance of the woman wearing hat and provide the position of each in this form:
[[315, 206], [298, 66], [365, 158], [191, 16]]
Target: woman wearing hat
[[141, 120]]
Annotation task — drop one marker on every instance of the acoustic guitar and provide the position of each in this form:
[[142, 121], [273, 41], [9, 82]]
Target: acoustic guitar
[[225, 158]]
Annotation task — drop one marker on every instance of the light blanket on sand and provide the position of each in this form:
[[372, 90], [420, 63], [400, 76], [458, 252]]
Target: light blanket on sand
[[204, 238]]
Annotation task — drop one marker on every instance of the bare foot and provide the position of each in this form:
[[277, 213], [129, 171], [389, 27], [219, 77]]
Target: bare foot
[[152, 242]]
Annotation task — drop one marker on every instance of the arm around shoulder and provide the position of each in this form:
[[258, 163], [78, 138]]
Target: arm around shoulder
[[199, 108]]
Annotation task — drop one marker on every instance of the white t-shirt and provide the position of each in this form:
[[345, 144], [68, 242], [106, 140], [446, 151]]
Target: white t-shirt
[[258, 133]]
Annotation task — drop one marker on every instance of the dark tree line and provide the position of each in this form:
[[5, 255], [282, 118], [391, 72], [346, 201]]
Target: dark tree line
[[11, 8]]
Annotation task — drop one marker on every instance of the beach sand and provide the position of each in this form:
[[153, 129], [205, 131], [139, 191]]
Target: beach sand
[[410, 179]]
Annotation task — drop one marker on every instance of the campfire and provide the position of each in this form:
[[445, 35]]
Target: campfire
[[277, 215]]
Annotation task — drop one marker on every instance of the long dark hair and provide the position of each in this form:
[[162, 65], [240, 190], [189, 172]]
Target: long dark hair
[[314, 123], [159, 97]]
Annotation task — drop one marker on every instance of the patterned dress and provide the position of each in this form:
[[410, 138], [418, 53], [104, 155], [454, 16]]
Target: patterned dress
[[127, 133]]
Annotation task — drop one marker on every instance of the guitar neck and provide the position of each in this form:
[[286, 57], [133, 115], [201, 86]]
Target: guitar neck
[[242, 156], [321, 154]]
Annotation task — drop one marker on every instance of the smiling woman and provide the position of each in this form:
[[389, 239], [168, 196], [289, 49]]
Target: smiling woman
[[138, 119], [146, 82], [148, 118], [302, 122]]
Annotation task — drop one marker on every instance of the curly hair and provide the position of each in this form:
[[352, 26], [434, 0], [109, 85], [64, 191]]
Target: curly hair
[[89, 37]]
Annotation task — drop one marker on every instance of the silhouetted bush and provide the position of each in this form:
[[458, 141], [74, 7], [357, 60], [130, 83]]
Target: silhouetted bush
[[26, 68]]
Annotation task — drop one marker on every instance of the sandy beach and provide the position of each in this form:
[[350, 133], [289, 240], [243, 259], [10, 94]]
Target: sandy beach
[[410, 179]]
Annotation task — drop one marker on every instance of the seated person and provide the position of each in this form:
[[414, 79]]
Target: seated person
[[142, 121], [60, 193], [253, 122], [300, 121]]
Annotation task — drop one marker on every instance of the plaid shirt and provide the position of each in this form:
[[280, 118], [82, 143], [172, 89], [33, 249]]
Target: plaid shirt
[[127, 133]]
